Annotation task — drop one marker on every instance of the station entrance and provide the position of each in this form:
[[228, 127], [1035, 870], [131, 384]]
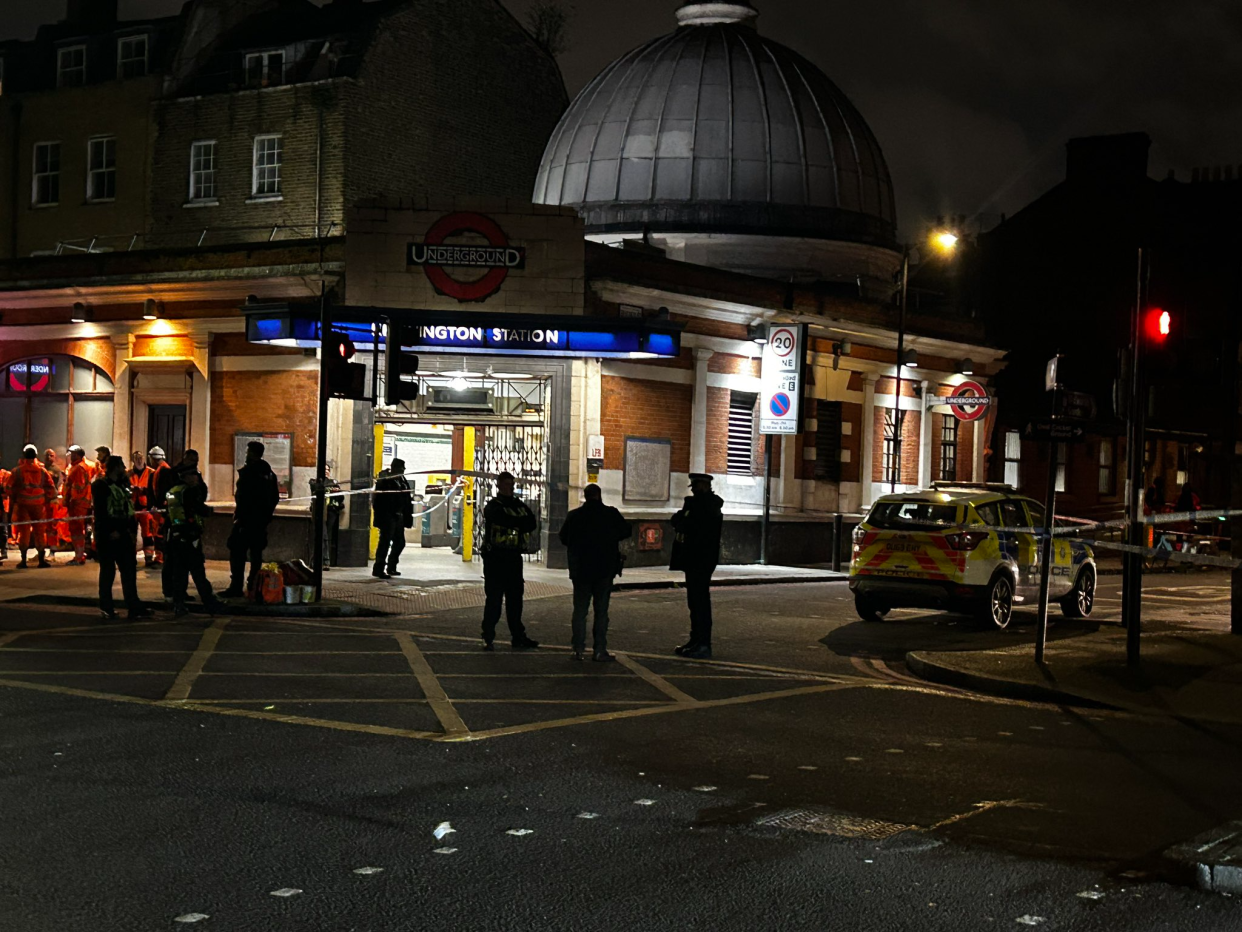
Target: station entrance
[[470, 422]]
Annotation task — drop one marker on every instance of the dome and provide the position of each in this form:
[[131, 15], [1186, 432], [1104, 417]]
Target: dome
[[714, 129]]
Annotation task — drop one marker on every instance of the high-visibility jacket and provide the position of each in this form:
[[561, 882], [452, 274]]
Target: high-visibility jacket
[[31, 486], [4, 488], [77, 488], [140, 486]]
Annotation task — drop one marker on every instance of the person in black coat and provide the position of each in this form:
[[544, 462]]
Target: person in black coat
[[696, 551], [392, 509], [256, 498], [590, 535], [116, 539], [508, 523]]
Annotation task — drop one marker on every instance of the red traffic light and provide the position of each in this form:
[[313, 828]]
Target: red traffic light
[[1158, 324], [344, 346]]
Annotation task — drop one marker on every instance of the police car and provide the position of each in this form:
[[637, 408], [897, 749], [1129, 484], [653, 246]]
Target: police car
[[967, 549]]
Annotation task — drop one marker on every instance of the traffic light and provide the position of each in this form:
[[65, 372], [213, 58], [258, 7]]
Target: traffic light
[[346, 379], [398, 364], [1158, 325]]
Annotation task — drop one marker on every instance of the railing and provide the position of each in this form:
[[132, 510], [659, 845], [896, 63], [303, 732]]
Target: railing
[[196, 238]]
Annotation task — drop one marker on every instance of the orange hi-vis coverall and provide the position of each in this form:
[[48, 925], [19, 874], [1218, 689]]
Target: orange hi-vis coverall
[[32, 494], [78, 503], [141, 484]]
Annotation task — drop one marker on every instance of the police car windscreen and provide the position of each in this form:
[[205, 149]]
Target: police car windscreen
[[895, 516]]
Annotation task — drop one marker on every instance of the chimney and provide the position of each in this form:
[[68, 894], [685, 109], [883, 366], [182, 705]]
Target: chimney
[[91, 14], [1117, 159]]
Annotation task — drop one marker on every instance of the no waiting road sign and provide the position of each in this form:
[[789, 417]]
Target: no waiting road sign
[[781, 378]]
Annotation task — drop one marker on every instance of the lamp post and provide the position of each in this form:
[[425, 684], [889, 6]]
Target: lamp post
[[946, 241]]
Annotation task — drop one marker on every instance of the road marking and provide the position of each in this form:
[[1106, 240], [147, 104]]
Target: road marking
[[651, 710], [181, 687], [653, 679], [981, 807], [9, 638], [437, 698], [287, 701]]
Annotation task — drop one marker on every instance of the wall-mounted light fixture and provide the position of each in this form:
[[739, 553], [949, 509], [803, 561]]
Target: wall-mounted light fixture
[[757, 333], [81, 314], [910, 359], [966, 367], [838, 350], [151, 310]]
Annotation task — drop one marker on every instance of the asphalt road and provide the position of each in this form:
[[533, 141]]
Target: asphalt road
[[800, 781]]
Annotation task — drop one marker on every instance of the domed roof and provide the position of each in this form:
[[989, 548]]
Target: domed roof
[[715, 129]]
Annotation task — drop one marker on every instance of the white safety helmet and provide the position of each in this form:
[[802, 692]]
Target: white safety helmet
[[156, 451]]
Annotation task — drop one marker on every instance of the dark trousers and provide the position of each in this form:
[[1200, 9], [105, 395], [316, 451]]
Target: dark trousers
[[699, 600], [502, 580], [114, 556], [245, 543], [597, 589], [331, 535], [183, 561], [391, 542]]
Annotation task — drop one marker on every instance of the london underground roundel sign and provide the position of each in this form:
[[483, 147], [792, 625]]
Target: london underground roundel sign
[[495, 257], [968, 401]]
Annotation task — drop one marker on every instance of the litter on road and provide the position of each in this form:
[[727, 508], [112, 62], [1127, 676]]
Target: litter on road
[[444, 851], [286, 891], [703, 789], [588, 815], [520, 831], [1029, 920], [367, 870], [192, 917], [644, 802], [444, 828]]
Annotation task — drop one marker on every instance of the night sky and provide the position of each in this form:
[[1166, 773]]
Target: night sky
[[972, 100]]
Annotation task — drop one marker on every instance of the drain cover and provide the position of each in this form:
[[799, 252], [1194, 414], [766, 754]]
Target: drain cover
[[826, 822]]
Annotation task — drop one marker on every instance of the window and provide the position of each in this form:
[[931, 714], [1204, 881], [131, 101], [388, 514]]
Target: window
[[71, 66], [45, 186], [1013, 457], [101, 168], [1012, 514], [1036, 512], [889, 473], [1108, 456], [828, 445], [53, 401], [131, 57], [265, 69], [988, 514], [741, 433], [1062, 462], [948, 448], [203, 170], [898, 516], [266, 176]]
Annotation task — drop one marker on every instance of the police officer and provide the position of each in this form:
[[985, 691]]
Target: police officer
[[392, 512], [186, 504], [507, 525], [115, 539], [696, 551], [590, 535]]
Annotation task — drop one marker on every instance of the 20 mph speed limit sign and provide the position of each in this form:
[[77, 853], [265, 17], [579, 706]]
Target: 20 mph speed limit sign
[[781, 379]]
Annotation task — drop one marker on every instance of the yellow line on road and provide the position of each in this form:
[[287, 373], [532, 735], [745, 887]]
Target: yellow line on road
[[653, 679], [287, 701], [650, 710], [181, 687], [436, 696]]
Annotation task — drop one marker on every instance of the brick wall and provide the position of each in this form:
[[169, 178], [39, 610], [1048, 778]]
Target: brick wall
[[276, 402], [236, 344], [641, 408], [101, 352], [733, 365], [717, 460], [297, 113], [462, 99]]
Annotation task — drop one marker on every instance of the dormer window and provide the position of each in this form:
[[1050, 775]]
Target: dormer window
[[265, 69], [71, 66], [131, 57]]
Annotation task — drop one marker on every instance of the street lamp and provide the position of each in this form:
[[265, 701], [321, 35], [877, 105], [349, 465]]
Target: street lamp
[[945, 241]]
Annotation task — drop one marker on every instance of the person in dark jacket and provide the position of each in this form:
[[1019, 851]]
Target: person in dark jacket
[[590, 535], [696, 551], [116, 539], [392, 511], [165, 479], [255, 500], [187, 508], [507, 525]]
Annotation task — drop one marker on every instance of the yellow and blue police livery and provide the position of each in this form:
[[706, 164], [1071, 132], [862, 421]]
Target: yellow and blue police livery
[[973, 550]]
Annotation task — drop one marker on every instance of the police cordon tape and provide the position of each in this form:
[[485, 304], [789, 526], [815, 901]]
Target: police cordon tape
[[304, 498]]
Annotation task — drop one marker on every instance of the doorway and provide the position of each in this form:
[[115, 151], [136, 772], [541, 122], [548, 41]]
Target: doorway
[[166, 429]]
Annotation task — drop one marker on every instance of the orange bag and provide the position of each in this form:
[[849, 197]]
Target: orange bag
[[271, 587]]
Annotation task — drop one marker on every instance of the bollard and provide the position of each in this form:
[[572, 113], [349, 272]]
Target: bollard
[[838, 525]]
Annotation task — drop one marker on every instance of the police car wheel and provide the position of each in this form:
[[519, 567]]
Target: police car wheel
[[868, 610], [996, 609], [1081, 600]]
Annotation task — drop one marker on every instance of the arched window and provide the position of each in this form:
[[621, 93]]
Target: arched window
[[53, 401]]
